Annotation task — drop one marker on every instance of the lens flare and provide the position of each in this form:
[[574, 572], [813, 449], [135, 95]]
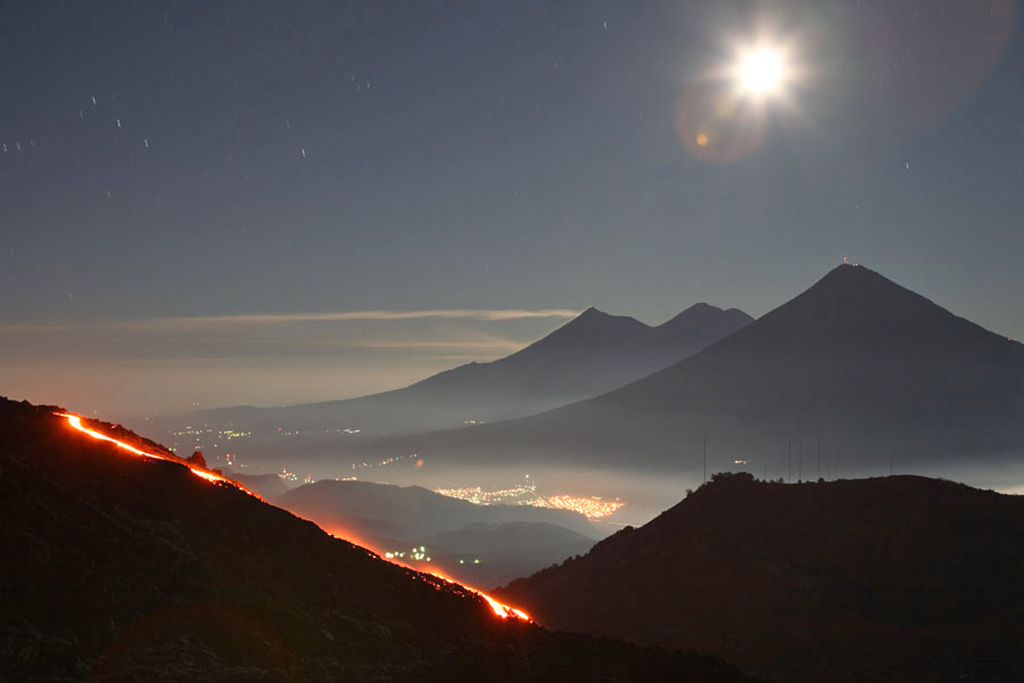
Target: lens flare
[[716, 125]]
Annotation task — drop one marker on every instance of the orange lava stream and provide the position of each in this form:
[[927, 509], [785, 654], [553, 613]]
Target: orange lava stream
[[76, 422], [499, 609]]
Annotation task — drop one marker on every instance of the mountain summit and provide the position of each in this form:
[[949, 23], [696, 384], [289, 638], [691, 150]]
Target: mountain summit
[[854, 301]]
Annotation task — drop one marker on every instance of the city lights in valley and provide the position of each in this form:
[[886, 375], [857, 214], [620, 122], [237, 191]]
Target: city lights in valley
[[592, 507], [522, 494]]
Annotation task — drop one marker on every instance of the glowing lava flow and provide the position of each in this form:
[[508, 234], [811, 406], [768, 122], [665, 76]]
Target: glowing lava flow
[[501, 610], [76, 422]]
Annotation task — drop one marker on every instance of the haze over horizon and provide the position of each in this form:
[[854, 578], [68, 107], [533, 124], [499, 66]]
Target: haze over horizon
[[212, 204]]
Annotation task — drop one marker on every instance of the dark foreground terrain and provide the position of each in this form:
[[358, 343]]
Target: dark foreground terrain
[[894, 579], [119, 568]]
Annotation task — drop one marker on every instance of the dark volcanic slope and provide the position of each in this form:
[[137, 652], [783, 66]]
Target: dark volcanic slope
[[591, 354], [119, 568], [874, 369], [902, 578]]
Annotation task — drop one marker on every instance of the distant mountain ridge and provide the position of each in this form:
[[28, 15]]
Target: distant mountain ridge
[[590, 354], [593, 353], [858, 364], [898, 578]]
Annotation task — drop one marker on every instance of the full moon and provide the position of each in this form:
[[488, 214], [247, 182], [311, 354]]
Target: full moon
[[761, 71]]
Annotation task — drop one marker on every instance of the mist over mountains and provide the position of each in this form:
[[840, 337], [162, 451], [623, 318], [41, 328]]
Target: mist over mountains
[[849, 376], [591, 354]]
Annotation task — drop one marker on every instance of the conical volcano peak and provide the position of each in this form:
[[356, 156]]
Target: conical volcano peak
[[593, 313], [852, 302], [856, 286], [850, 273], [594, 320]]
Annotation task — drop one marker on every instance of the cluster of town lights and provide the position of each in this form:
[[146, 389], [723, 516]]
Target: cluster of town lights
[[592, 507]]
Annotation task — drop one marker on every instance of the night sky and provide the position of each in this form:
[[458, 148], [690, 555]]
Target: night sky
[[213, 203]]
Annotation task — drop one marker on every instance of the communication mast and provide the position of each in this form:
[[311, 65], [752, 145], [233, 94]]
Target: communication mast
[[790, 455], [819, 452], [705, 458]]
